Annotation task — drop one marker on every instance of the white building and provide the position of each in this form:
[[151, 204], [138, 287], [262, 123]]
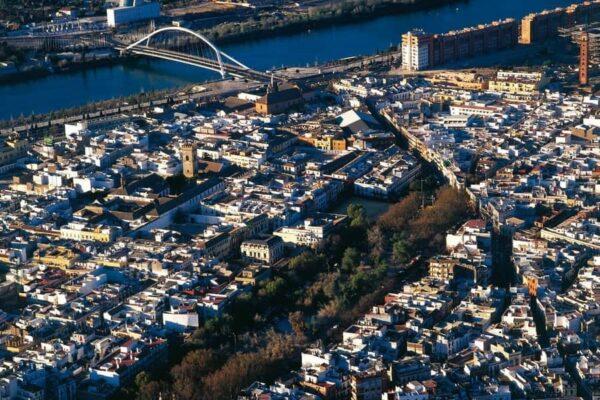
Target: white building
[[139, 11], [415, 50], [310, 234], [180, 321], [390, 177]]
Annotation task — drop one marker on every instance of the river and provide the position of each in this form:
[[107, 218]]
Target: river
[[71, 89]]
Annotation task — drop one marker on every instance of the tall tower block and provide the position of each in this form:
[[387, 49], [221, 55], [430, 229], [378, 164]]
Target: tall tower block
[[188, 158]]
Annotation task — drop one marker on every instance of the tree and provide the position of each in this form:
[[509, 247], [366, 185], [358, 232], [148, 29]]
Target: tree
[[141, 379], [152, 390], [396, 218], [322, 290], [189, 374], [358, 284], [357, 215], [376, 241], [351, 259], [400, 251], [543, 210], [450, 207], [214, 332], [298, 325], [307, 264], [243, 368], [332, 247], [274, 288], [245, 307], [327, 316]]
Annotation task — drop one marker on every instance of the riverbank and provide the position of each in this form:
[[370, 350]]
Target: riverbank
[[37, 73], [349, 11], [114, 108], [330, 42]]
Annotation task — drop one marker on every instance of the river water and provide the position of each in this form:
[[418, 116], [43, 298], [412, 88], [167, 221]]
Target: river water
[[70, 89]]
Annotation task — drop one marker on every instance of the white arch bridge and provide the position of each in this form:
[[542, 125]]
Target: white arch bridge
[[188, 47]]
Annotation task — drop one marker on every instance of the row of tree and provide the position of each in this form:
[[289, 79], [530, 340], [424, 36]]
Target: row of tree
[[89, 108], [316, 295], [412, 226], [11, 54], [344, 9], [205, 374]]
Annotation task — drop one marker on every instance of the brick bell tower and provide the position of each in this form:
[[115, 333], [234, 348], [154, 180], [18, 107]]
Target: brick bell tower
[[584, 58], [188, 158]]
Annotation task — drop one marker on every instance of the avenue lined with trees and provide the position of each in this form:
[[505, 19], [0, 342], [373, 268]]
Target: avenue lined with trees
[[317, 295]]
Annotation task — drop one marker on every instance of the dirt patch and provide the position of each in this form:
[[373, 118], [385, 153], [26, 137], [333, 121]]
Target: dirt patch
[[199, 9]]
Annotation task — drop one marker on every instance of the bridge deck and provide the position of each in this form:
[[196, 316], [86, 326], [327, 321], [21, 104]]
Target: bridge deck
[[202, 62]]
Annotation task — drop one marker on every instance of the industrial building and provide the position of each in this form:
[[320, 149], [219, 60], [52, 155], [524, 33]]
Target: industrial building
[[132, 11]]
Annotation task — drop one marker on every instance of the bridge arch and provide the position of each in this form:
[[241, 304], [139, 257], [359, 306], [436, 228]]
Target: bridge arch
[[219, 54]]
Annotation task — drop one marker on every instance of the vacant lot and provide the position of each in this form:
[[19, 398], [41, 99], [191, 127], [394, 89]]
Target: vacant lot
[[203, 8]]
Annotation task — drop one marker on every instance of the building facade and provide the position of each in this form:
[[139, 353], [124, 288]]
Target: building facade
[[268, 250], [139, 11], [416, 46]]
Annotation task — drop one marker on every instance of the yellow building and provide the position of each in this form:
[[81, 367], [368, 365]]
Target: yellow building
[[325, 143], [514, 87], [245, 159], [253, 274], [55, 256], [216, 246], [442, 268], [111, 262], [517, 83], [81, 232], [268, 250], [459, 79], [13, 149], [14, 339]]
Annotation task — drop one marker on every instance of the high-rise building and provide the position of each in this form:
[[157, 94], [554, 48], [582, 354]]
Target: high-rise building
[[416, 48], [188, 158], [537, 27]]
